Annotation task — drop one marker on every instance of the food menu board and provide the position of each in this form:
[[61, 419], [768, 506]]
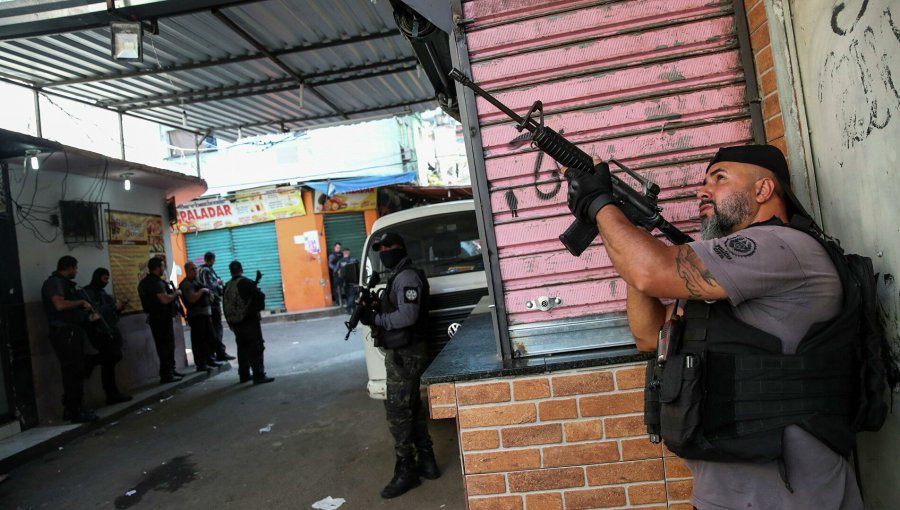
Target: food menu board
[[345, 202], [240, 209], [133, 239]]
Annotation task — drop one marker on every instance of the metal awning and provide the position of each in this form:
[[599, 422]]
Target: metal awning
[[220, 66]]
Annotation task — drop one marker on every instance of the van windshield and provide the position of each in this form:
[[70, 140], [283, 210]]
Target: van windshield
[[438, 245]]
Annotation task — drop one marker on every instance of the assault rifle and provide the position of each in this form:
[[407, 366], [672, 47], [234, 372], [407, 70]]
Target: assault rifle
[[366, 299], [639, 206]]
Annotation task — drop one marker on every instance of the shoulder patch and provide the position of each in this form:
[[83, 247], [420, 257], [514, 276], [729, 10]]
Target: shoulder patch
[[411, 294], [741, 246]]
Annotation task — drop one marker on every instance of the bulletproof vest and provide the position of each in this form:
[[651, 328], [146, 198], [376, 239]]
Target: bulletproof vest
[[415, 334], [725, 392], [71, 317], [149, 302]]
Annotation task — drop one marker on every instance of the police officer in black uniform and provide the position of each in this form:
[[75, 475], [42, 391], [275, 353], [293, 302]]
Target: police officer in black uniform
[[105, 335], [400, 329], [160, 303], [67, 316]]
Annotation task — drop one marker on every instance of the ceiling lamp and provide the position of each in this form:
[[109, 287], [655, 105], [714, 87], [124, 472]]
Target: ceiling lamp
[[31, 158], [127, 177], [127, 42]]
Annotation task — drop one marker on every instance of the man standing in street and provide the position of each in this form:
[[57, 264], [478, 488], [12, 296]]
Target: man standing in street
[[753, 289], [243, 301], [67, 316], [208, 278], [105, 336], [196, 301], [159, 302], [400, 327], [333, 258], [347, 270]]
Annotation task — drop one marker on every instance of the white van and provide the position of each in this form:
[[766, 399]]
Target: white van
[[442, 240]]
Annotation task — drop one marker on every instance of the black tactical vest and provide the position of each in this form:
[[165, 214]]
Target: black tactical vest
[[415, 335], [726, 392]]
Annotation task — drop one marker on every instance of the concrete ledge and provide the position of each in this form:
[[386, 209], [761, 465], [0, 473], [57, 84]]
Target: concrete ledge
[[32, 443], [317, 313]]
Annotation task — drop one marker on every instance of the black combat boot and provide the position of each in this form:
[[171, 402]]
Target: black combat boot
[[405, 478], [427, 466]]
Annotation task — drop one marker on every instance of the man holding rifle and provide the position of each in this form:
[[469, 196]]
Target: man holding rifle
[[752, 285]]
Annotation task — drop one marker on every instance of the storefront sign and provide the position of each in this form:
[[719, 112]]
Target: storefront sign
[[345, 203], [242, 209], [133, 239]]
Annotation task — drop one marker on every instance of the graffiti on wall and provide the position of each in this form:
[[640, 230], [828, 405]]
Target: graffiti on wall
[[862, 67]]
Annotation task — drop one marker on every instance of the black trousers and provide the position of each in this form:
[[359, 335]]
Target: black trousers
[[407, 417], [164, 337], [250, 347], [218, 350], [108, 343], [203, 343], [68, 343]]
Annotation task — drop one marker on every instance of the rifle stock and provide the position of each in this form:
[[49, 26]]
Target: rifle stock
[[640, 206]]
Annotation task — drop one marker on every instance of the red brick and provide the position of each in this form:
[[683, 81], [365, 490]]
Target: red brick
[[680, 490], [497, 415], [756, 16], [595, 498], [531, 389], [472, 440], [442, 394], [667, 452], [479, 485], [780, 143], [544, 501], [592, 382], [625, 427], [501, 461], [496, 503], [580, 454], [764, 60], [759, 38], [768, 83], [647, 493], [625, 472], [631, 378], [616, 403], [676, 468], [535, 434], [558, 409], [584, 430], [546, 479], [490, 393], [681, 506], [771, 106], [775, 127], [748, 4], [642, 448], [441, 413]]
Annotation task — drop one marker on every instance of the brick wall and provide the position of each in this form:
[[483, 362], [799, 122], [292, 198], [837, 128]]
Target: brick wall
[[757, 21], [565, 441]]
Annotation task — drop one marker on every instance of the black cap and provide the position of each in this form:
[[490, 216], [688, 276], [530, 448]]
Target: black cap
[[387, 239], [770, 158]]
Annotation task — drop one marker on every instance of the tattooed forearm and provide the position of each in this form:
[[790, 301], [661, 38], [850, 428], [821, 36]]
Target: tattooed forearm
[[694, 273]]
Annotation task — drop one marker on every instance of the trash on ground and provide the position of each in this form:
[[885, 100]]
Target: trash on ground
[[144, 410], [60, 448], [167, 398], [3, 478], [267, 428], [328, 503], [132, 492]]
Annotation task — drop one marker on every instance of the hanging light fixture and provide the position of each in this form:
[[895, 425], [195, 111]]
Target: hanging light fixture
[[127, 177], [31, 159], [126, 41]]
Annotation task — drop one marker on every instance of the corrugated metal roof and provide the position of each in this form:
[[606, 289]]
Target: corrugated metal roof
[[348, 53]]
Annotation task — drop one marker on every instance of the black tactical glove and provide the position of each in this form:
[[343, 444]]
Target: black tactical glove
[[367, 316], [589, 192]]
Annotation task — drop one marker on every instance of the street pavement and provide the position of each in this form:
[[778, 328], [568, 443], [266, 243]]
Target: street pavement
[[208, 445]]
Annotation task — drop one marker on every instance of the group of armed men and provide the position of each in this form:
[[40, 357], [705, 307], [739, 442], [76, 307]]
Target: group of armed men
[[753, 283], [87, 319]]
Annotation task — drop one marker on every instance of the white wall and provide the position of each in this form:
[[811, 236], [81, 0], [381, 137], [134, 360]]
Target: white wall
[[849, 61]]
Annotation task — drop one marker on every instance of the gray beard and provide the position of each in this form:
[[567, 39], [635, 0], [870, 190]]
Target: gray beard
[[734, 210]]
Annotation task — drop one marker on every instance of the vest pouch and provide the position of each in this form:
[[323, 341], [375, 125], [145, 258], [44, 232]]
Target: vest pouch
[[680, 396], [651, 400], [395, 339]]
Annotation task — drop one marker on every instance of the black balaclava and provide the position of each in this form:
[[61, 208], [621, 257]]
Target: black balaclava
[[95, 279], [391, 258]]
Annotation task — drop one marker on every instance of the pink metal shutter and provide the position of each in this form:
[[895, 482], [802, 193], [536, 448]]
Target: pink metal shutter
[[657, 84]]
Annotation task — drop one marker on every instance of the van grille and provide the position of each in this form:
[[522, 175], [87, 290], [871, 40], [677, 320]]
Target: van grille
[[461, 304]]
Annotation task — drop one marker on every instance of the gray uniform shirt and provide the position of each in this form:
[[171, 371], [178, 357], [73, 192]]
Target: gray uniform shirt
[[781, 281], [406, 295]]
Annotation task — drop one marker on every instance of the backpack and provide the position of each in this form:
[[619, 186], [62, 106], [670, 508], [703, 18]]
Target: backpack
[[878, 368], [235, 307]]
